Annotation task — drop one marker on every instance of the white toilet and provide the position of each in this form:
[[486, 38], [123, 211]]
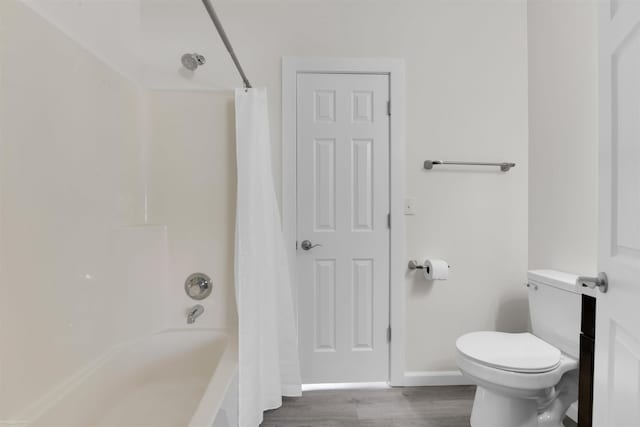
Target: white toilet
[[528, 380]]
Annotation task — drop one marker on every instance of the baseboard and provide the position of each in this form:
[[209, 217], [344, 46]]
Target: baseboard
[[434, 378]]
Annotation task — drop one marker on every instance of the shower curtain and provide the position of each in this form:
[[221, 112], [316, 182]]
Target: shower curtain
[[269, 365]]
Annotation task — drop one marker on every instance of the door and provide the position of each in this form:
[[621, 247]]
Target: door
[[617, 352], [342, 212]]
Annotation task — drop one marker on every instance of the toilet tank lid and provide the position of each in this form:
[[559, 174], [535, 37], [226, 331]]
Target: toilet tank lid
[[557, 279]]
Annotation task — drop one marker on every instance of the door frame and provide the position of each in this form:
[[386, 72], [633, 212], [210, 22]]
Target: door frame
[[395, 69]]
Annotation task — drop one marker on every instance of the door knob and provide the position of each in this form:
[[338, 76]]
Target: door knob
[[307, 245], [601, 282]]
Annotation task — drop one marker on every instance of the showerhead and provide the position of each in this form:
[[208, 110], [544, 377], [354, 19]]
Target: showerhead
[[191, 61]]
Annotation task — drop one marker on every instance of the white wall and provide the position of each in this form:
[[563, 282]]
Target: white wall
[[563, 129], [110, 29], [78, 273]]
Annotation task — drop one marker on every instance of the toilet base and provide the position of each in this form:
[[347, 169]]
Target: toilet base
[[491, 409], [497, 410]]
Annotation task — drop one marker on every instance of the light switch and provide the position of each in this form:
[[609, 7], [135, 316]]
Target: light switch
[[410, 206]]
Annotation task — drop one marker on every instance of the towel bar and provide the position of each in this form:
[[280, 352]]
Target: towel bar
[[504, 166]]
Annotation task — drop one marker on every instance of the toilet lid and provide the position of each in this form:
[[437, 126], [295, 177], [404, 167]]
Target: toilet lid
[[511, 352]]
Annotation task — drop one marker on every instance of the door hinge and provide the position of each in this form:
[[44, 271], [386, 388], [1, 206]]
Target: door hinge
[[388, 108], [296, 245], [388, 220], [389, 333]]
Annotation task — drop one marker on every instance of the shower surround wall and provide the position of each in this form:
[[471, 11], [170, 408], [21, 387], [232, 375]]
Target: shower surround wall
[[71, 186], [106, 204], [192, 190]]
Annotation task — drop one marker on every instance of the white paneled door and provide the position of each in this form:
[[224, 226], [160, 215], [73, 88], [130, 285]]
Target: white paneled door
[[617, 355], [342, 269]]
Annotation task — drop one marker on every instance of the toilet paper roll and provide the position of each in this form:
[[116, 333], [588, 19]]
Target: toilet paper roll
[[436, 269]]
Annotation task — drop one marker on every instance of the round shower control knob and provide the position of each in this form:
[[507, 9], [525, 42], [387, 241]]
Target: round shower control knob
[[198, 286]]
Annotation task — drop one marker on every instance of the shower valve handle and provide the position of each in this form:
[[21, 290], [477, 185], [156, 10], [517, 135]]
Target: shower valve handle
[[307, 245]]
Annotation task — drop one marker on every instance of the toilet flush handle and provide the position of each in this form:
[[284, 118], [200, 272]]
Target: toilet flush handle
[[601, 282]]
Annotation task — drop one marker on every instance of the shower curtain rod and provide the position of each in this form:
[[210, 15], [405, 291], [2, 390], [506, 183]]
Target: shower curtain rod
[[225, 40]]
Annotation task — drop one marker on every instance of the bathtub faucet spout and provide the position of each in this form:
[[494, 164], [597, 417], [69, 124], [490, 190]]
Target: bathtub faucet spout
[[195, 312]]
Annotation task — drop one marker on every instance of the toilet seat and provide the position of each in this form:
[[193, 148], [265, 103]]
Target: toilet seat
[[521, 353]]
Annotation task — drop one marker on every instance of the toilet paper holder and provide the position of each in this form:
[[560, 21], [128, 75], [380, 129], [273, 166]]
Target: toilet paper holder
[[415, 265]]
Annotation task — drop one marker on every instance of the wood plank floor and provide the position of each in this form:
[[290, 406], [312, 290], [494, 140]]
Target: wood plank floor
[[395, 407]]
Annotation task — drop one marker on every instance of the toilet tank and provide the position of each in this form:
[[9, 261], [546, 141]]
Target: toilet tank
[[554, 306]]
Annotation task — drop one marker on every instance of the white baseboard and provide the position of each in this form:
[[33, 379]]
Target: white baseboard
[[345, 386], [434, 378]]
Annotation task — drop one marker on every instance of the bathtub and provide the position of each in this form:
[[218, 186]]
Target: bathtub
[[175, 378]]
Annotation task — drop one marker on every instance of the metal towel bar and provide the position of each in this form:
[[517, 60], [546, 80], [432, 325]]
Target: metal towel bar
[[504, 166]]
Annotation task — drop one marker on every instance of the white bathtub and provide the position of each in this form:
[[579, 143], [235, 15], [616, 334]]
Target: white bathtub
[[176, 378]]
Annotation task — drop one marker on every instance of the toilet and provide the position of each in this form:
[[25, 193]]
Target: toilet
[[528, 379]]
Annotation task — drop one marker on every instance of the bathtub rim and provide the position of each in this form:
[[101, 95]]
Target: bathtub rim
[[218, 386]]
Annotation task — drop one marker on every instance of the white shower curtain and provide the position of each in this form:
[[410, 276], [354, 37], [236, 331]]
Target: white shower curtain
[[269, 365]]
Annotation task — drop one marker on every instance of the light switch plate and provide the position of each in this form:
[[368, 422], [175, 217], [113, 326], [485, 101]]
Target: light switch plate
[[410, 206]]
